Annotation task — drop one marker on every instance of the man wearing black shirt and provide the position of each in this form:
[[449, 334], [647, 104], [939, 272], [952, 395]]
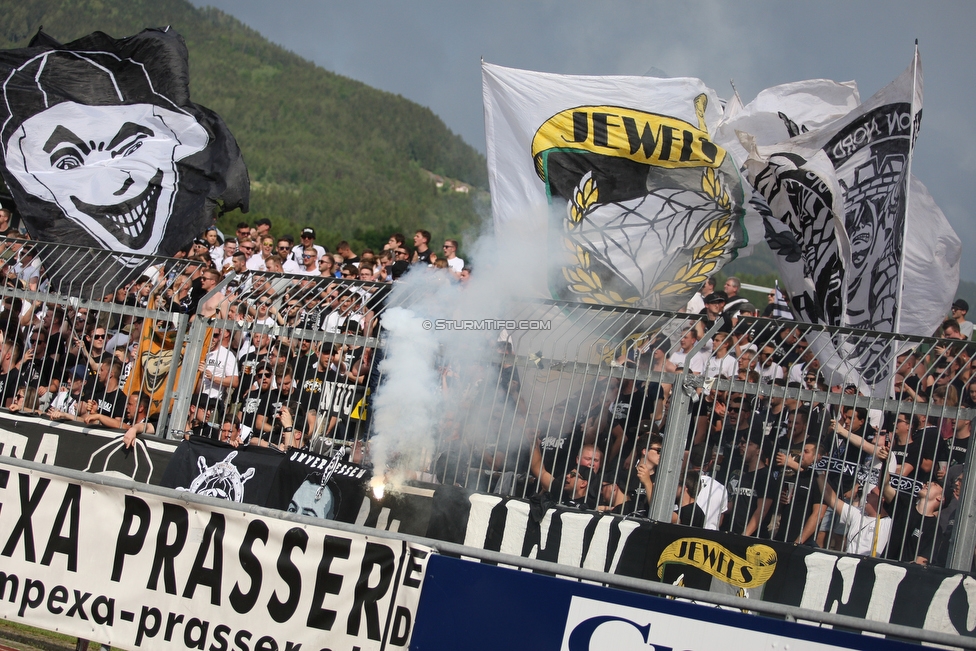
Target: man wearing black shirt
[[107, 405], [9, 375], [254, 402], [315, 388], [915, 527], [750, 504], [422, 253], [689, 513], [801, 504], [713, 310], [926, 448]]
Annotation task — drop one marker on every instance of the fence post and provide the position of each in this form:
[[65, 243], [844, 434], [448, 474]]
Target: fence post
[[164, 414], [964, 536], [672, 451], [676, 436], [188, 377]]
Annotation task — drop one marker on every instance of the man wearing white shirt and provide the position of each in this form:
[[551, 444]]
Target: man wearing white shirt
[[713, 497], [219, 369], [306, 239], [697, 302], [769, 370], [310, 259], [285, 250], [680, 357], [255, 261], [454, 263], [722, 362]]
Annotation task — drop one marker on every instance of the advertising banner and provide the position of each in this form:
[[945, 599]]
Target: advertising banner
[[926, 597], [542, 612], [137, 571]]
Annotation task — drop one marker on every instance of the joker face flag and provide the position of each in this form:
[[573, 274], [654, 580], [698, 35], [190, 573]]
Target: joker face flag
[[102, 147], [645, 205]]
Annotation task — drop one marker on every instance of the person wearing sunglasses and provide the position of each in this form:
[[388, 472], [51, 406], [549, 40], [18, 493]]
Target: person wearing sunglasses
[[289, 264], [306, 239], [255, 259], [90, 352], [326, 266], [257, 410], [454, 263], [310, 260]]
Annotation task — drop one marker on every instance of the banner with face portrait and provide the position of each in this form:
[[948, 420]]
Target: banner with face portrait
[[102, 147], [932, 248], [838, 198], [642, 204]]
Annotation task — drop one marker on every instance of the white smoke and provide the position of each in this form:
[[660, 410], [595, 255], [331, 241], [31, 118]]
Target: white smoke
[[417, 393], [406, 407]]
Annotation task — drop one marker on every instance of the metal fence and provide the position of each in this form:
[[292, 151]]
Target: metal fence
[[643, 413]]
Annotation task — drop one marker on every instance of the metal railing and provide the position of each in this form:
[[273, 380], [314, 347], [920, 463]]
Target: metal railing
[[601, 407]]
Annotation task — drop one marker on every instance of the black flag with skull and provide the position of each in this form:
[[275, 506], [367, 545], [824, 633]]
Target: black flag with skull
[[103, 148]]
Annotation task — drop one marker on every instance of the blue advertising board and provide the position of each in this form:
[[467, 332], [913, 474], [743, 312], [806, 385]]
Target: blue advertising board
[[472, 606]]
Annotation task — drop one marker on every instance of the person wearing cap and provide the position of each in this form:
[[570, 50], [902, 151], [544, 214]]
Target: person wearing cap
[[307, 239], [575, 488], [200, 250], [714, 308], [959, 310]]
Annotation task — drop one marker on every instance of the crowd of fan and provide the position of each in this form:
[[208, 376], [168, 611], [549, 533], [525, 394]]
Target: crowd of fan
[[806, 471], [755, 462], [74, 363]]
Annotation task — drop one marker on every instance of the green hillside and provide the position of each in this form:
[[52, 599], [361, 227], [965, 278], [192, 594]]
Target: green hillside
[[321, 149]]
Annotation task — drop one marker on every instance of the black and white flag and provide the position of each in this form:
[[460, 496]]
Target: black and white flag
[[102, 146], [838, 198]]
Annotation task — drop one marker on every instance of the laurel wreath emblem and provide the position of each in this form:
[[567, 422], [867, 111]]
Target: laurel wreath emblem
[[582, 280], [588, 285]]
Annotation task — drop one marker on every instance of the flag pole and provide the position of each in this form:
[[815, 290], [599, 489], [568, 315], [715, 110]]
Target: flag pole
[[908, 184], [735, 90]]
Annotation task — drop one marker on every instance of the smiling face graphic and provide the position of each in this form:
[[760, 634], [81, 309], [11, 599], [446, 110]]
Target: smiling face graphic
[[111, 169]]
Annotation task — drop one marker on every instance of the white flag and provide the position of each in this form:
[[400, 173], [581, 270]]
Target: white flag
[[776, 115], [782, 112], [643, 204], [932, 253], [838, 195]]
